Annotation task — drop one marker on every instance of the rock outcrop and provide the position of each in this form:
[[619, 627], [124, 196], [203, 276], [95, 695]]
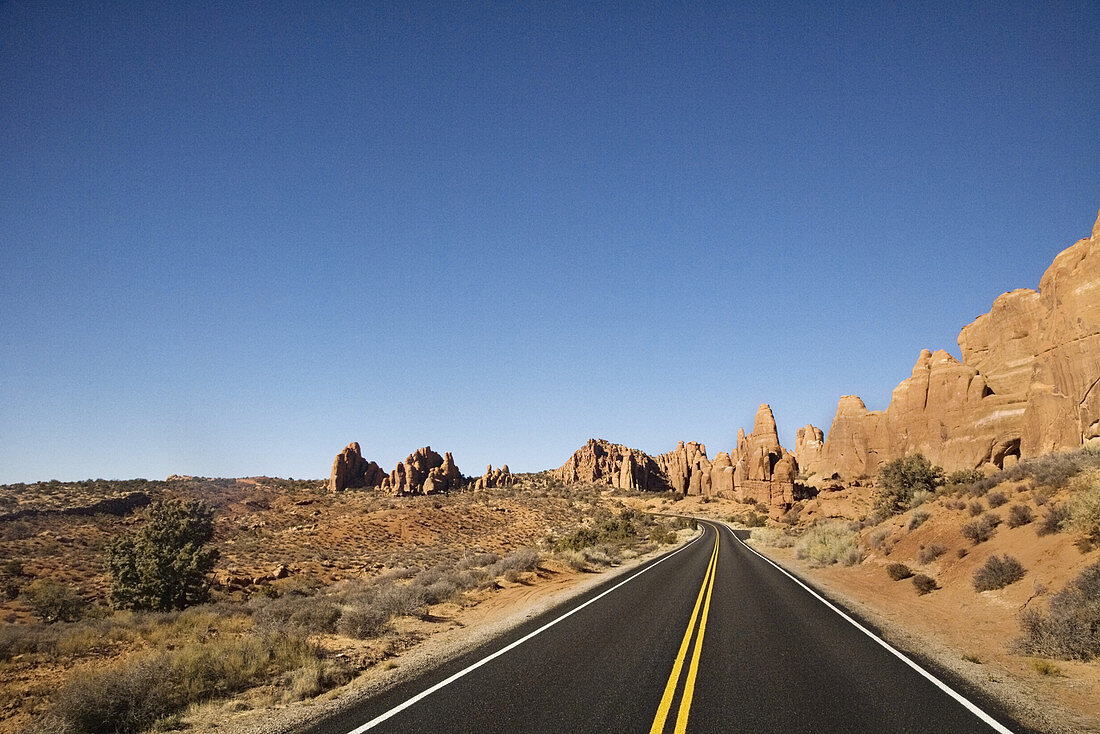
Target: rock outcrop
[[686, 468], [758, 469], [501, 477], [423, 472], [1026, 385], [808, 444], [350, 469], [764, 471], [603, 462]]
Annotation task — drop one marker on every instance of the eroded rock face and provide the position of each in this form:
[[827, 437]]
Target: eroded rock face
[[423, 472], [764, 470], [759, 468], [350, 469], [501, 477], [685, 467], [1026, 385], [808, 444], [603, 462]]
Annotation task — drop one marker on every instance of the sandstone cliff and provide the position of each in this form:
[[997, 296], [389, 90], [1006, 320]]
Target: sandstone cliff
[[1026, 385]]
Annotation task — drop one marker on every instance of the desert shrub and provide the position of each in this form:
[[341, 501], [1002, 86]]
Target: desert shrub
[[574, 559], [1053, 520], [920, 497], [830, 542], [363, 622], [996, 499], [998, 572], [877, 538], [1084, 510], [401, 600], [525, 559], [124, 698], [477, 560], [755, 520], [924, 584], [1070, 629], [1055, 470], [1019, 515], [53, 601], [26, 639], [302, 614], [901, 478], [917, 519], [975, 508], [930, 553], [981, 529], [964, 477], [898, 571], [315, 678], [314, 616], [773, 537], [165, 564]]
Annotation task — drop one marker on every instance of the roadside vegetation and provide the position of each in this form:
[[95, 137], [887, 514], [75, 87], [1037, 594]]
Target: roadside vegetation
[[143, 623]]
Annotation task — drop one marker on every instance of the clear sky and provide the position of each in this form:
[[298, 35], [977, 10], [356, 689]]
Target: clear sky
[[236, 236]]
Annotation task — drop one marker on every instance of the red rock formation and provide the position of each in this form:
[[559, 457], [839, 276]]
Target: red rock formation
[[501, 477], [1027, 384], [603, 462], [808, 444], [350, 469], [685, 468], [764, 471], [423, 472]]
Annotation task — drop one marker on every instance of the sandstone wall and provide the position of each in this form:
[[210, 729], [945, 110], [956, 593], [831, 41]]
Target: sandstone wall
[[1026, 385]]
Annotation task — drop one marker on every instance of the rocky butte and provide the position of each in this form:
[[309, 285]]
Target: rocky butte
[[757, 469], [422, 472], [1026, 385]]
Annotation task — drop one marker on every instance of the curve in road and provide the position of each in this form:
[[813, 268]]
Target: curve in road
[[710, 637]]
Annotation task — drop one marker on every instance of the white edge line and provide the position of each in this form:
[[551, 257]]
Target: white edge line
[[967, 703], [474, 666]]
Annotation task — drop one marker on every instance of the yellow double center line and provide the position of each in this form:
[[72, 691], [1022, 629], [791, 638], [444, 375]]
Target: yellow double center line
[[703, 601]]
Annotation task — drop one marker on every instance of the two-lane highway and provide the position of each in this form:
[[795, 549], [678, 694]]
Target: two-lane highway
[[711, 637]]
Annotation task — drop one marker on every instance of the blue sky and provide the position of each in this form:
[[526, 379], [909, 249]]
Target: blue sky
[[236, 236]]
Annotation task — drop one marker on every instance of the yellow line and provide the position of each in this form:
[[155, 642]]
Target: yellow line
[[689, 684], [678, 664]]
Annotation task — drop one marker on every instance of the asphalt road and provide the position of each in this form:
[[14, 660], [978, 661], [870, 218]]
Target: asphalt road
[[708, 638]]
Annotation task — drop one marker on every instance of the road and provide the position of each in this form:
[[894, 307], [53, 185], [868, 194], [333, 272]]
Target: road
[[708, 638]]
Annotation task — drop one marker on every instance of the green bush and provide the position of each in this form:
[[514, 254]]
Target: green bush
[[998, 572], [1070, 629], [164, 565], [829, 543], [964, 477], [901, 479], [53, 601]]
